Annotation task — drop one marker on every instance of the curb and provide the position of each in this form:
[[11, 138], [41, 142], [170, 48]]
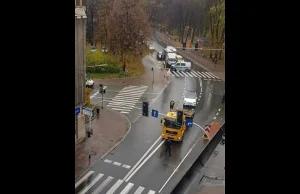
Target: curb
[[111, 149]]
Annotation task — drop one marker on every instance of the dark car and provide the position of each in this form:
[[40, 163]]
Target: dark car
[[159, 56]]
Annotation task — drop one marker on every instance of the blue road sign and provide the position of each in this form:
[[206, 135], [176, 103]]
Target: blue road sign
[[189, 122], [154, 113], [77, 111]]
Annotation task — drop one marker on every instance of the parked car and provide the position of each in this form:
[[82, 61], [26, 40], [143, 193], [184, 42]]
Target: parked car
[[190, 99], [89, 83], [104, 50], [151, 47], [181, 66], [159, 55]]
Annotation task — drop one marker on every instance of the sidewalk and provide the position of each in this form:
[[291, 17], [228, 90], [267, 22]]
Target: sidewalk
[[109, 128], [194, 56], [213, 181]]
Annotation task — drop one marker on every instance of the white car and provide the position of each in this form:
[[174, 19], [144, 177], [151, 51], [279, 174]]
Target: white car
[[190, 99], [89, 83], [151, 47]]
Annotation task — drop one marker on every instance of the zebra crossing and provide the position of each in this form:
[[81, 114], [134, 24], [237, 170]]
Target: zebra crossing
[[192, 73], [125, 100], [93, 183]]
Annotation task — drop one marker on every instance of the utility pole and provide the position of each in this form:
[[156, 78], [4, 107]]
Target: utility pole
[[153, 75]]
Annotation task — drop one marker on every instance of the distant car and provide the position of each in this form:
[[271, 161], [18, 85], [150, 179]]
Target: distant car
[[159, 56], [89, 83], [104, 50], [93, 49], [151, 47], [190, 99]]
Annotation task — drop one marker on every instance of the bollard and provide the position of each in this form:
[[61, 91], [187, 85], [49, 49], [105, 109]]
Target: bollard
[[98, 111]]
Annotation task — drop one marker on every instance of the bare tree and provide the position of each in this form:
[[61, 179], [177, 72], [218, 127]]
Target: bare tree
[[103, 11], [92, 19], [128, 27]]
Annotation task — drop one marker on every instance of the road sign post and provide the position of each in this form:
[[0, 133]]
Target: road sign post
[[189, 122], [154, 113]]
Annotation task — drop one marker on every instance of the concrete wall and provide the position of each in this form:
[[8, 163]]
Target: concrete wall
[[80, 61]]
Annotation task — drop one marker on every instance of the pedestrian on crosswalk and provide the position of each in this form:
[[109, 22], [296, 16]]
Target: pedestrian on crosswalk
[[168, 147]]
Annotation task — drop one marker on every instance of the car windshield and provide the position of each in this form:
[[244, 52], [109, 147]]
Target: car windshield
[[172, 60], [190, 94], [172, 124]]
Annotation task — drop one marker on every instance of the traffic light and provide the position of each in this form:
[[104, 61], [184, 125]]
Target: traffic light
[[145, 109], [179, 117], [196, 46], [101, 90], [184, 46]]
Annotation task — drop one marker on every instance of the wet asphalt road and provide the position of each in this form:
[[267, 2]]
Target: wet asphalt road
[[155, 169]]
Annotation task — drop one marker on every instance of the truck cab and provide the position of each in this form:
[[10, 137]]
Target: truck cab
[[173, 126]]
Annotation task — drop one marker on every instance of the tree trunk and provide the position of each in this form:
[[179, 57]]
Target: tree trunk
[[220, 54], [193, 35]]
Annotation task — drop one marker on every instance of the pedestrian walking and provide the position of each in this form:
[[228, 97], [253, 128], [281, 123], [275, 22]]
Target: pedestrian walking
[[168, 147]]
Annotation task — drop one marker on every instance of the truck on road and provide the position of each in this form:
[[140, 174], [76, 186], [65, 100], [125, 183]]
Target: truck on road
[[174, 124]]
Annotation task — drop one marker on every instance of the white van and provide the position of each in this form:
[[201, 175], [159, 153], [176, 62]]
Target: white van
[[179, 58], [170, 59]]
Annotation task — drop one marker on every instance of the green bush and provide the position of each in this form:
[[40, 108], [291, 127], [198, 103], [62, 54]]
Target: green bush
[[93, 59]]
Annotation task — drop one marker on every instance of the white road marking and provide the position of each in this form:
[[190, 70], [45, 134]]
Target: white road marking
[[184, 74], [189, 74], [176, 74], [139, 190], [125, 166], [87, 175], [92, 184], [194, 74], [179, 73], [107, 161], [199, 75], [146, 159], [114, 187], [121, 109], [219, 109], [217, 113], [215, 76], [127, 188], [123, 105], [117, 163], [214, 118], [151, 192], [132, 169], [102, 185], [203, 75], [120, 103], [124, 112], [212, 75]]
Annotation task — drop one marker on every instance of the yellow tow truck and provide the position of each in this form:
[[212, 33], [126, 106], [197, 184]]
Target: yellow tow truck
[[174, 124]]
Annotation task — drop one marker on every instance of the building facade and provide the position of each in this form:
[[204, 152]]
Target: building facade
[[80, 61]]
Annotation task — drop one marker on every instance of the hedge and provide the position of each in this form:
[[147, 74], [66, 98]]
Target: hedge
[[93, 59]]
